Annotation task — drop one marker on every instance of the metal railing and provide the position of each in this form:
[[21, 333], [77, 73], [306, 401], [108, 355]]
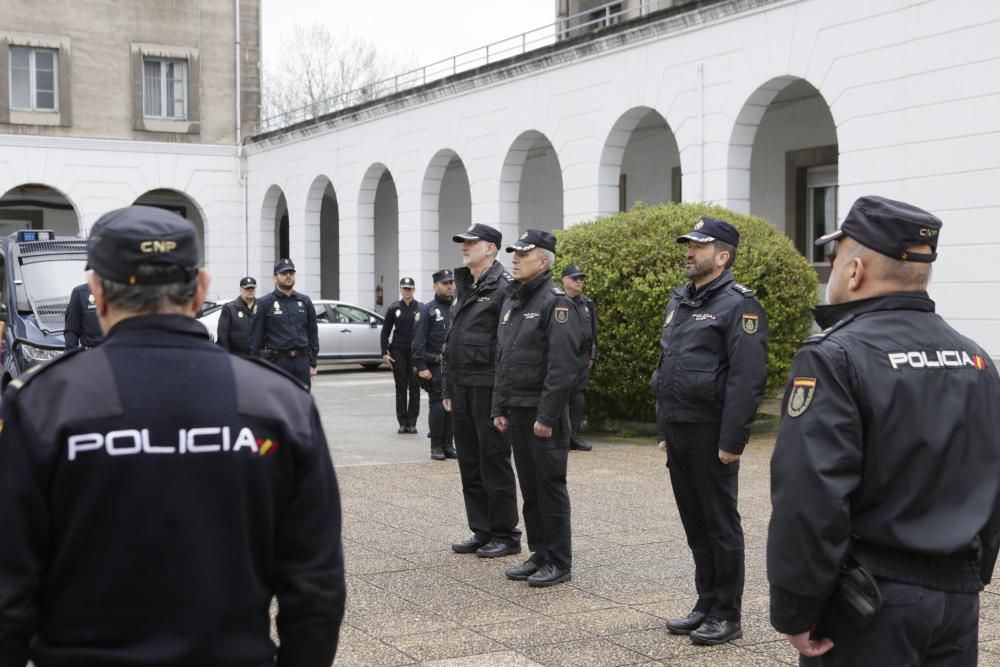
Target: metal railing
[[566, 27]]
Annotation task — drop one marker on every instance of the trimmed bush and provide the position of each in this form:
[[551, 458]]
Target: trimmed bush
[[633, 262]]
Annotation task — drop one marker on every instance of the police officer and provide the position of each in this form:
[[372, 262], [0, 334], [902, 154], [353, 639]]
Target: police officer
[[82, 328], [236, 318], [572, 280], [542, 350], [483, 452], [428, 339], [284, 330], [188, 487], [708, 384], [400, 317], [887, 459]]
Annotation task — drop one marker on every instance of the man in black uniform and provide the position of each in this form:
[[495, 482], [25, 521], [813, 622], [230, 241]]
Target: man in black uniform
[[483, 452], [888, 459], [428, 340], [399, 320], [541, 351], [236, 318], [708, 384], [168, 490], [284, 329], [82, 329], [572, 280]]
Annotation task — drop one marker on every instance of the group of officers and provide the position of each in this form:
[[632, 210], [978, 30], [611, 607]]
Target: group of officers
[[885, 477]]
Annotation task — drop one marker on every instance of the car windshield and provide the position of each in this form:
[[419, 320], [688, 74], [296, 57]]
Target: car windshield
[[44, 287]]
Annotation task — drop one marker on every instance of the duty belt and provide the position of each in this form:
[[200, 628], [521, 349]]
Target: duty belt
[[291, 354], [433, 358]]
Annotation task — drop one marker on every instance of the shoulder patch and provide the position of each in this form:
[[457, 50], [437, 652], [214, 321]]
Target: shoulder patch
[[803, 390], [37, 370], [742, 289], [562, 314]]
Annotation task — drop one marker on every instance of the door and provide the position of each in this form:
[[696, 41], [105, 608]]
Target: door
[[359, 339], [329, 335]]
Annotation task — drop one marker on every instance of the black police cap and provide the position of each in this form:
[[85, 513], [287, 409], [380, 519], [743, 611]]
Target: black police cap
[[123, 240], [534, 238], [407, 282], [283, 265], [708, 230], [443, 276], [889, 227], [248, 282], [479, 232], [572, 271]]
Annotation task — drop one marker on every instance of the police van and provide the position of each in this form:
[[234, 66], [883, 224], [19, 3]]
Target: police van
[[38, 272]]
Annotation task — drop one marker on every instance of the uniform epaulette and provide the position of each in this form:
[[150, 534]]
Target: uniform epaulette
[[820, 336], [743, 289], [36, 370], [508, 276], [558, 291]]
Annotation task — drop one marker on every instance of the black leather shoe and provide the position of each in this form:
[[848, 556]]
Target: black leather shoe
[[686, 625], [549, 575], [494, 549], [411, 429], [449, 452], [580, 444], [468, 546], [401, 430], [437, 453], [716, 631], [521, 572]]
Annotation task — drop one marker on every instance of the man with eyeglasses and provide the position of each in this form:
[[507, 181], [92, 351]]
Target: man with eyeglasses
[[236, 318], [572, 280]]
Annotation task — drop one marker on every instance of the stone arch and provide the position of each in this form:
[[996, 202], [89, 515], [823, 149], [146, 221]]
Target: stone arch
[[640, 161], [445, 208], [323, 234], [531, 187], [378, 225], [38, 206], [181, 203]]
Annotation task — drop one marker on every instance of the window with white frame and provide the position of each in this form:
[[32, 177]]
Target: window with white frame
[[33, 78], [821, 208], [164, 88]]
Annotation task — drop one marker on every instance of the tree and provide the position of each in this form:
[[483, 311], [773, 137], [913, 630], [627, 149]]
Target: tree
[[318, 73]]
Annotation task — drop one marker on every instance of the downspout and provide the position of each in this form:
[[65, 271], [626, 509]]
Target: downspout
[[240, 154], [701, 131]]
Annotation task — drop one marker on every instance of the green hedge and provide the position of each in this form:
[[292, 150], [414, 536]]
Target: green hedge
[[633, 261]]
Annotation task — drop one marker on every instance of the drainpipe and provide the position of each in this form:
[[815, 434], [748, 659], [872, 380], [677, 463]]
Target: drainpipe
[[240, 153], [701, 131]]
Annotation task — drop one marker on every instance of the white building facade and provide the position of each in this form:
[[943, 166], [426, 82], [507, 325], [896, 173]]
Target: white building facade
[[785, 109]]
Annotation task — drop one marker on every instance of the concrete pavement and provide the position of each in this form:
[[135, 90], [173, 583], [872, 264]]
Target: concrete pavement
[[412, 601]]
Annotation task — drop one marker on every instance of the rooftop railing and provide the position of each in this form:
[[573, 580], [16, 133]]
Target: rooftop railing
[[565, 27]]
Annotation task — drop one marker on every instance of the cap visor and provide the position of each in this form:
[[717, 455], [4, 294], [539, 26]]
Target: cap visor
[[832, 236], [696, 237], [519, 246], [458, 238]]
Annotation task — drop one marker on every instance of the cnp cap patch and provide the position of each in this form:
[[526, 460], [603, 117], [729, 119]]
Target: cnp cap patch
[[803, 390]]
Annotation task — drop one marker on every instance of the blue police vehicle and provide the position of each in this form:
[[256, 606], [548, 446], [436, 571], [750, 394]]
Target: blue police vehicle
[[38, 272]]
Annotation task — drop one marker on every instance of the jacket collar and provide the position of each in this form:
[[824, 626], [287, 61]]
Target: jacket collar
[[524, 291], [168, 323], [828, 315], [690, 296], [463, 275]]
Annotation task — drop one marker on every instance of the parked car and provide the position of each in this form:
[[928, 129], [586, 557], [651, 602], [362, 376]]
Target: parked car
[[348, 334]]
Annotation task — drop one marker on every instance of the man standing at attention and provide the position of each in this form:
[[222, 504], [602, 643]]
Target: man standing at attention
[[483, 452], [236, 319], [157, 492], [887, 463], [542, 348], [572, 280], [708, 384], [428, 341], [284, 329], [400, 317], [82, 329]]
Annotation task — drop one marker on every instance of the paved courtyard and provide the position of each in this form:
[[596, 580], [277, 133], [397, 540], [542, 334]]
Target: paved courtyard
[[412, 601]]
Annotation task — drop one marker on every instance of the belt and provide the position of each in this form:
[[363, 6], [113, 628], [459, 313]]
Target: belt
[[291, 354]]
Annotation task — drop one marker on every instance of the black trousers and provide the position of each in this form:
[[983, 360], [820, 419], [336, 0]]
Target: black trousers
[[297, 366], [541, 471], [407, 386], [438, 419], [916, 627], [705, 490], [485, 466], [577, 403]]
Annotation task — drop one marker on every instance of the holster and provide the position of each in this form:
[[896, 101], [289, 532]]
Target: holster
[[857, 594]]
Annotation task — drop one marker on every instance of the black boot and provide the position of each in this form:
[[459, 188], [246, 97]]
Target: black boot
[[449, 449], [437, 452]]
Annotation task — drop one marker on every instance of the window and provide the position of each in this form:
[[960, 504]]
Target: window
[[164, 88], [349, 315], [321, 315], [821, 209], [33, 76]]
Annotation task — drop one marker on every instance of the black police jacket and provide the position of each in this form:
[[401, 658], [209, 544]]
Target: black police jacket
[[430, 333], [285, 323], [470, 349], [541, 350], [82, 325], [588, 311], [713, 360], [235, 324], [399, 321], [889, 448], [150, 512]]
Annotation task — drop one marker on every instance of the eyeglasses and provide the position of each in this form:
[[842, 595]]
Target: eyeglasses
[[578, 279]]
